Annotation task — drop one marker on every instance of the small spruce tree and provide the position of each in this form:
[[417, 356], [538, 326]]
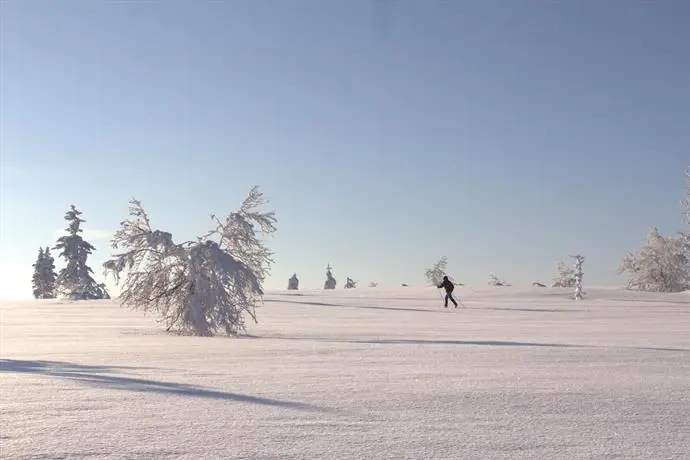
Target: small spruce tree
[[48, 274], [330, 282], [75, 281], [43, 281], [293, 283], [37, 281]]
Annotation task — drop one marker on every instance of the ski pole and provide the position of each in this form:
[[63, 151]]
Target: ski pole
[[460, 301], [440, 293]]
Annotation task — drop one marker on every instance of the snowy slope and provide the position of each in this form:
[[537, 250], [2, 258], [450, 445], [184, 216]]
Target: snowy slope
[[367, 373]]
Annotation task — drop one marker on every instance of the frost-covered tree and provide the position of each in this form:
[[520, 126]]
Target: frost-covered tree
[[75, 282], [199, 287], [496, 281], [434, 275], [662, 264], [239, 234], [565, 276], [579, 274], [43, 281], [330, 281], [373, 284], [293, 283], [350, 283]]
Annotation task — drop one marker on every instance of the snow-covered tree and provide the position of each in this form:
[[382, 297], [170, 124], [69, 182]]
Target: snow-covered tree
[[43, 281], [48, 274], [373, 284], [350, 283], [330, 281], [662, 264], [37, 280], [200, 287], [496, 281], [239, 234], [435, 274], [293, 283], [578, 273], [565, 276], [75, 281]]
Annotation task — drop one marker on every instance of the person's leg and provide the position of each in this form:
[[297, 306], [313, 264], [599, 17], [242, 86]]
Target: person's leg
[[445, 303], [450, 295]]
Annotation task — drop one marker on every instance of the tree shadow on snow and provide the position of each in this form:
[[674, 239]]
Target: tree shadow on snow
[[496, 343], [372, 307], [302, 302], [673, 302], [429, 310], [533, 310], [366, 307], [102, 376], [492, 343]]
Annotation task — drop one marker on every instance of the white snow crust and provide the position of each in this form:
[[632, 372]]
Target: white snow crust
[[366, 373]]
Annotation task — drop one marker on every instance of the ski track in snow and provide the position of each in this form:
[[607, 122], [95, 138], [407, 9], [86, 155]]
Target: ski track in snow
[[379, 373]]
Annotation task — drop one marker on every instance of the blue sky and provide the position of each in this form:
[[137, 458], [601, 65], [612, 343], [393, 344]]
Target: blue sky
[[385, 133]]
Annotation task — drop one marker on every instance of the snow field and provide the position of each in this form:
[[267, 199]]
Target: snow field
[[378, 373]]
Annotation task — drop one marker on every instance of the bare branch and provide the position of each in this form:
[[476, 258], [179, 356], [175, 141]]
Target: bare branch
[[435, 274]]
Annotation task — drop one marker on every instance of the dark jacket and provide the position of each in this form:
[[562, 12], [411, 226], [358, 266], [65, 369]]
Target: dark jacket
[[447, 285]]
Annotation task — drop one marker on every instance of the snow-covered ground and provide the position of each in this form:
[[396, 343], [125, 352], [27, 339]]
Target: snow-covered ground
[[360, 374]]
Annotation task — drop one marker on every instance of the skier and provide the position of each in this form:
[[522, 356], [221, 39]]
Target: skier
[[448, 286]]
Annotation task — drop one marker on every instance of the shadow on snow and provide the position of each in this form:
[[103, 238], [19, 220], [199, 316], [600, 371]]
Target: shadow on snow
[[101, 376], [439, 309], [370, 307], [495, 343], [491, 343], [533, 310]]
